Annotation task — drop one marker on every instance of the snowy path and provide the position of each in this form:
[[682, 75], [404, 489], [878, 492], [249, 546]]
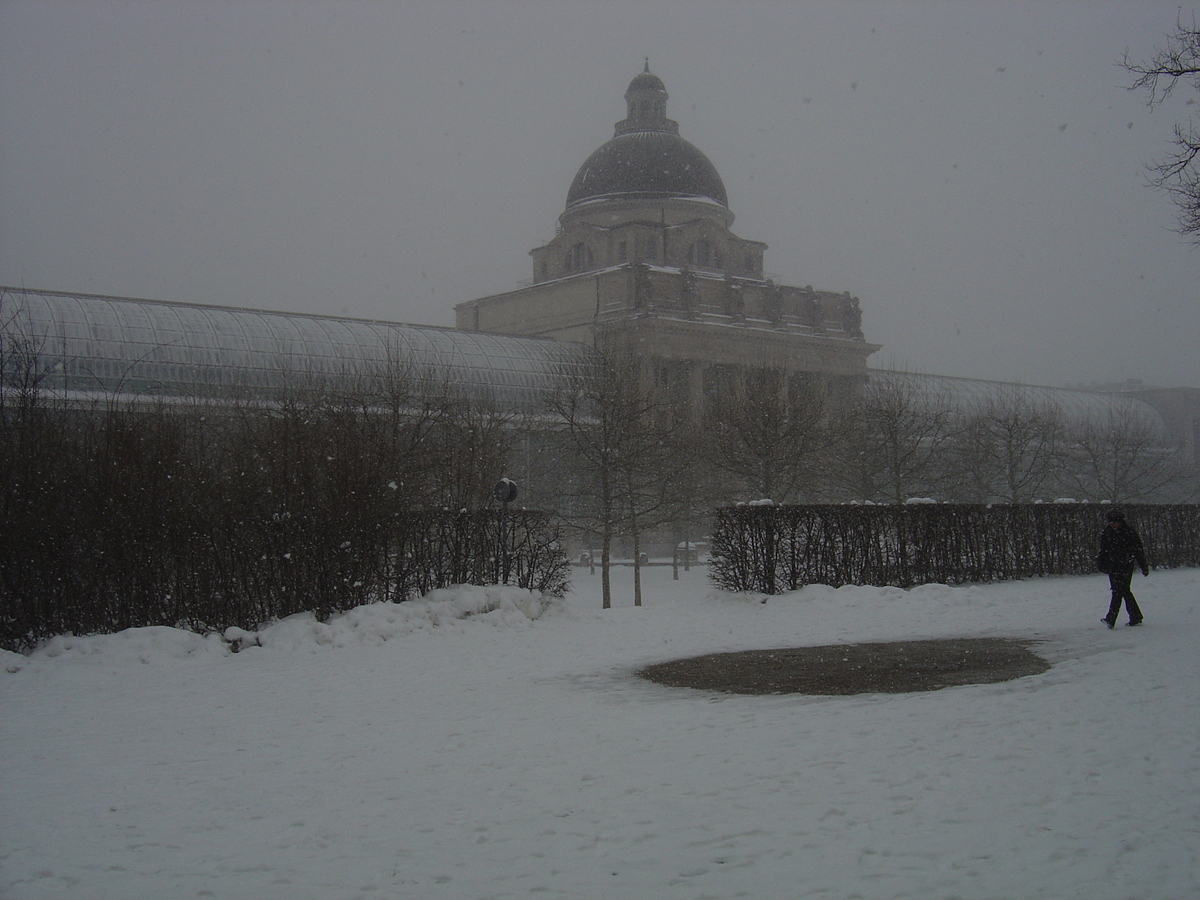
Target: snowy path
[[498, 757]]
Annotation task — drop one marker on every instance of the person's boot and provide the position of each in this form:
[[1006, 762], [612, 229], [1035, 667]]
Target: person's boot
[[1114, 610], [1135, 612]]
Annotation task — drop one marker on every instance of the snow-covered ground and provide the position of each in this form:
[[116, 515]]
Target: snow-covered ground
[[409, 752]]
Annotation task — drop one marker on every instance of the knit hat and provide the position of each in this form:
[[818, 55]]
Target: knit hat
[[1115, 515]]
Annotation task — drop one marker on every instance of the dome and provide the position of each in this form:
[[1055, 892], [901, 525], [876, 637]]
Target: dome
[[647, 81], [647, 159], [647, 165]]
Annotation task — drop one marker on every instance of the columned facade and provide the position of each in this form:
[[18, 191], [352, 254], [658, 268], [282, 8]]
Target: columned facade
[[644, 252]]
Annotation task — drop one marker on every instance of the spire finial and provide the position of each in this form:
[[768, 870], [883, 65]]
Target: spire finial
[[647, 69]]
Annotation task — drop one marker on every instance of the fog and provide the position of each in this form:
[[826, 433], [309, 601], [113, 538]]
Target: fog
[[974, 172]]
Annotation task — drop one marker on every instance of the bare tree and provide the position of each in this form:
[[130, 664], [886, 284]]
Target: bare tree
[[24, 368], [896, 443], [1009, 449], [403, 409], [475, 438], [768, 433], [620, 434], [1121, 457], [1178, 61]]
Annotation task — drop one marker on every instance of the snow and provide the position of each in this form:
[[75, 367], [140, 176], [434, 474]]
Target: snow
[[484, 743]]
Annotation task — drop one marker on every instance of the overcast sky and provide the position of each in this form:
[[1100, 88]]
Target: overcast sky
[[974, 172]]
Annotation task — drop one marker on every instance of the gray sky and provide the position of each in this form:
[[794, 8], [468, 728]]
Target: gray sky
[[974, 172]]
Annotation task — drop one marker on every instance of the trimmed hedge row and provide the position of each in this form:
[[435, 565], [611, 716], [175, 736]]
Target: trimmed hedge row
[[774, 549], [256, 571], [205, 519]]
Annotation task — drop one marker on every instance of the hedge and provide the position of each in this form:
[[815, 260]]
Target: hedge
[[774, 549]]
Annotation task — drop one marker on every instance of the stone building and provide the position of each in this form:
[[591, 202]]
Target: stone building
[[644, 254]]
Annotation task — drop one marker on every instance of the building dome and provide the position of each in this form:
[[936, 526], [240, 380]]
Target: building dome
[[647, 81], [646, 159], [646, 165]]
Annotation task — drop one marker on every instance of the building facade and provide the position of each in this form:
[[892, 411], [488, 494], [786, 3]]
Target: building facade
[[644, 254]]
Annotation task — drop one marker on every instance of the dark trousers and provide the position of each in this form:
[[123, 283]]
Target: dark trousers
[[1119, 582]]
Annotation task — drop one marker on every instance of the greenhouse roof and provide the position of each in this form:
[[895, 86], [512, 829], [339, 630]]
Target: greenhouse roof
[[90, 346], [104, 346], [1076, 406]]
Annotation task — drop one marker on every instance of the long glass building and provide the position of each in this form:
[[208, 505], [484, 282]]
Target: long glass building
[[89, 347], [1077, 407]]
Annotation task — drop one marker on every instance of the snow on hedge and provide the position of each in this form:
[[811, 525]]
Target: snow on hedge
[[372, 624]]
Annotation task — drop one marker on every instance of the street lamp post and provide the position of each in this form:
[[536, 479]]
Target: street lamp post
[[506, 493]]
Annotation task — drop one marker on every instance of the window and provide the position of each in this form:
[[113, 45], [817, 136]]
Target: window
[[580, 257], [719, 381], [703, 254], [621, 254], [672, 379]]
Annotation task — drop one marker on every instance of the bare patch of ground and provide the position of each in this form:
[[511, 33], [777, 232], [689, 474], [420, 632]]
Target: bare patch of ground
[[896, 667]]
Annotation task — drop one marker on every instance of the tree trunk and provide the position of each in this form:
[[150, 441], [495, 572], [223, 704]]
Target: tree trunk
[[605, 550], [637, 567]]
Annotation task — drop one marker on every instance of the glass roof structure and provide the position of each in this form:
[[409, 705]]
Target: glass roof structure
[[90, 346], [1078, 407], [105, 346]]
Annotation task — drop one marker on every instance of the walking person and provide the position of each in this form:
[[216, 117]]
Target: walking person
[[1121, 552]]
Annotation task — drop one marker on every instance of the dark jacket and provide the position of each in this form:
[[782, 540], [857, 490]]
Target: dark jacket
[[1120, 550]]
